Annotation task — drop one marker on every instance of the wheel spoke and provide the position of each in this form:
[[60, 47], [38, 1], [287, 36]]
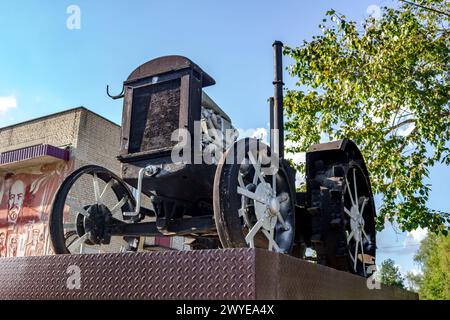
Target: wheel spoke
[[350, 255], [272, 243], [257, 166], [96, 187], [249, 238], [362, 256], [363, 206], [283, 223], [250, 195], [108, 185], [119, 204], [349, 237], [274, 184], [365, 235], [243, 214], [241, 180], [349, 191], [79, 241], [349, 213], [356, 255], [355, 188], [72, 205]]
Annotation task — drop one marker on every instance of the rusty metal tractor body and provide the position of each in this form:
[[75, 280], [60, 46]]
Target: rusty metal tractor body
[[220, 203], [161, 96]]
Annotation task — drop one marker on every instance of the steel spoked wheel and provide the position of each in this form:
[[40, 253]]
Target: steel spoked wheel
[[253, 205], [359, 222], [343, 218], [86, 202]]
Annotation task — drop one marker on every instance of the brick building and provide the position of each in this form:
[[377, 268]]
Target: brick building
[[90, 137], [35, 157]]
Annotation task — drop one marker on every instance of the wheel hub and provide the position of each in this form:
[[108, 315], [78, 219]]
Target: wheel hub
[[266, 212], [356, 224], [95, 224], [273, 206]]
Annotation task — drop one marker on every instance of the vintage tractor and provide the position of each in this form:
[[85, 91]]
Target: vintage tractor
[[192, 177]]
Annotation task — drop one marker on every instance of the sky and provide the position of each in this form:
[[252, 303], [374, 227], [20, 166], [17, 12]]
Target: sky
[[45, 67]]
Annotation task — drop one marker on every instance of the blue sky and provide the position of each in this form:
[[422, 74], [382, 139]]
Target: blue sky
[[45, 67]]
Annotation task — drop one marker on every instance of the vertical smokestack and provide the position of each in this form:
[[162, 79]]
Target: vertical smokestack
[[278, 123], [271, 123]]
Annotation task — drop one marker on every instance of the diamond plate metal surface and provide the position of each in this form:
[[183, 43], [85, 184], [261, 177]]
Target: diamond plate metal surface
[[238, 274], [208, 274]]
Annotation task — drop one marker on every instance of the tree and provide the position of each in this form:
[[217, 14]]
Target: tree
[[385, 85], [434, 258], [414, 280], [390, 274]]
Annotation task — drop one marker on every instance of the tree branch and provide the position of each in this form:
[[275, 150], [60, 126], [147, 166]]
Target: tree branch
[[400, 124], [426, 8]]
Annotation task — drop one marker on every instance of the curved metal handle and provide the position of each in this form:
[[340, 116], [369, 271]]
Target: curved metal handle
[[120, 95]]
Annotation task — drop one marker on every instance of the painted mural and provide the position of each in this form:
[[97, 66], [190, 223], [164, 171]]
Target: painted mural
[[26, 197]]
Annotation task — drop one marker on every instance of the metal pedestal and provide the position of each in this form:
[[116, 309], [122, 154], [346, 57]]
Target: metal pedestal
[[242, 274]]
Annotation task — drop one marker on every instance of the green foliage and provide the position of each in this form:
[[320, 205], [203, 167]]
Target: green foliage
[[434, 259], [390, 274], [385, 86], [414, 281]]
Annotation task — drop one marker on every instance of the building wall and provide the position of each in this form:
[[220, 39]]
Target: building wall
[[27, 193], [98, 142], [59, 130], [26, 196], [92, 140]]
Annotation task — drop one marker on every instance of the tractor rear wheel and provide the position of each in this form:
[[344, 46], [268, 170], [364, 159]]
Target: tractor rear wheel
[[253, 204]]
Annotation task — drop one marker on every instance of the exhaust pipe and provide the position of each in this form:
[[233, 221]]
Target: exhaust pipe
[[277, 122]]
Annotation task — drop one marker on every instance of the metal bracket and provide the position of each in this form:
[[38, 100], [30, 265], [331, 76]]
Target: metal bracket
[[120, 95], [148, 171]]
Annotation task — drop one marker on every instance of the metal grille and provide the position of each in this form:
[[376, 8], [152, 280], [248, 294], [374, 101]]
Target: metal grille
[[155, 115]]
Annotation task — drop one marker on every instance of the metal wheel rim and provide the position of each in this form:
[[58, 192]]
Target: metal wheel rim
[[356, 209], [78, 212], [263, 211]]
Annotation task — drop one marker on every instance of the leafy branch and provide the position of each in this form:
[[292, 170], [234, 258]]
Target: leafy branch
[[388, 89]]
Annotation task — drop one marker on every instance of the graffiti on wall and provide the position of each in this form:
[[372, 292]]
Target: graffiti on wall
[[26, 197]]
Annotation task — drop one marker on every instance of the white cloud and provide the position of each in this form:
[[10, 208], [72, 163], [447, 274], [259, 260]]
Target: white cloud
[[374, 11], [418, 235], [297, 158], [7, 103], [259, 133], [263, 134], [413, 238]]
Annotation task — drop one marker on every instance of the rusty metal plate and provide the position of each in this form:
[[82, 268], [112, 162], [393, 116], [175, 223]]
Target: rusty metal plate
[[238, 274], [286, 277]]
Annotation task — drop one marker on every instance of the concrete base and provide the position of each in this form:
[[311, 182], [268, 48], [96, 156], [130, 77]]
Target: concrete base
[[205, 274]]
